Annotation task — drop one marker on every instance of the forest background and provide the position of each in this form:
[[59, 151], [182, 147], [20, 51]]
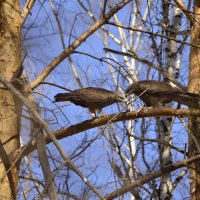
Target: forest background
[[57, 150]]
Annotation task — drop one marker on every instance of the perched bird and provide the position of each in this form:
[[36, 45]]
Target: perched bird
[[154, 93], [92, 98]]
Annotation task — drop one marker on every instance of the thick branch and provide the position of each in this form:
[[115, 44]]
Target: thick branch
[[93, 123]]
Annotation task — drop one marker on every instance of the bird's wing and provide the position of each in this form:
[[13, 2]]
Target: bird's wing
[[156, 88], [94, 94], [73, 97]]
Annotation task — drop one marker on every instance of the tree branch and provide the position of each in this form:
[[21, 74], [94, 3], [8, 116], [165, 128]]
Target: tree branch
[[93, 123], [145, 61], [45, 72], [154, 34], [150, 177], [26, 10]]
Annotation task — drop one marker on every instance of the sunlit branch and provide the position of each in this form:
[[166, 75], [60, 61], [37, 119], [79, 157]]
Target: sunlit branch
[[93, 123], [26, 10], [45, 72], [151, 177]]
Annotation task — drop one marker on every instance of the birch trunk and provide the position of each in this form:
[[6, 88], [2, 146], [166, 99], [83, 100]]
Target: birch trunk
[[166, 123]]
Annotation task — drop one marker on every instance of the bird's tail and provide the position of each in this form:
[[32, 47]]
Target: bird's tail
[[63, 97], [190, 99]]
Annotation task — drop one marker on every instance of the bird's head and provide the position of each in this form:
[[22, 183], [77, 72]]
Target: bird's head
[[130, 90], [134, 88]]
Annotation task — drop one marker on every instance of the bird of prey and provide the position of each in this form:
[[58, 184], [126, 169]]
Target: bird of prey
[[92, 98], [154, 93]]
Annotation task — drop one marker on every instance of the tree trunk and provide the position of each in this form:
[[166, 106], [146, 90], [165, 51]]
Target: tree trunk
[[194, 86], [9, 121]]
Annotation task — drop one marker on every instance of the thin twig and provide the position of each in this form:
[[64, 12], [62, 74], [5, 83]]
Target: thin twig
[[155, 34], [104, 8], [135, 56], [55, 85]]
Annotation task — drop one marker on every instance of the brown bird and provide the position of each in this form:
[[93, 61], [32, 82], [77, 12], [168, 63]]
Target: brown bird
[[154, 93], [92, 98]]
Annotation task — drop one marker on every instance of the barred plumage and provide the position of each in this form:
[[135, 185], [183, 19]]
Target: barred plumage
[[92, 98], [154, 93]]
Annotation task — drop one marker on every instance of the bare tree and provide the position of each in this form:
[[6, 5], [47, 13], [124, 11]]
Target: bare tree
[[58, 150]]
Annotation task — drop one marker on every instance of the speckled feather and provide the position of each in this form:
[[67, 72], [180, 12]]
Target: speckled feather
[[92, 98], [154, 92]]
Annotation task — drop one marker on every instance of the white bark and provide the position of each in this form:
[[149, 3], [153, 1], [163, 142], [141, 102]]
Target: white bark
[[166, 123]]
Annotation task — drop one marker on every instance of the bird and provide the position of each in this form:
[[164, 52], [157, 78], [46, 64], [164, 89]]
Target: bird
[[154, 93], [95, 99]]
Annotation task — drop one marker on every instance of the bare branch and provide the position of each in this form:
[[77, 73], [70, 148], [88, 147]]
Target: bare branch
[[150, 177], [134, 55], [93, 123], [42, 154], [104, 8], [45, 72], [55, 85], [125, 180], [26, 10], [155, 34], [179, 178], [7, 165]]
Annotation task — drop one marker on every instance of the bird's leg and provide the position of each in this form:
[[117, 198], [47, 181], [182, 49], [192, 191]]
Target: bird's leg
[[94, 115], [100, 113]]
